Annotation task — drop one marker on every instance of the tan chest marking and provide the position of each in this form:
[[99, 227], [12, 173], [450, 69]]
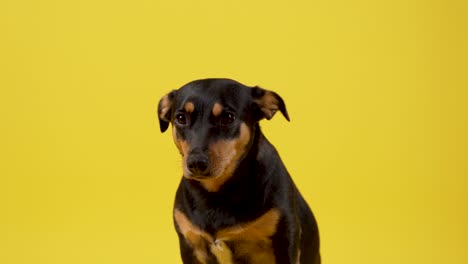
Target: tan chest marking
[[250, 241]]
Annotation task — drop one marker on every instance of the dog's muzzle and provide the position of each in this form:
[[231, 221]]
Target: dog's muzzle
[[198, 164]]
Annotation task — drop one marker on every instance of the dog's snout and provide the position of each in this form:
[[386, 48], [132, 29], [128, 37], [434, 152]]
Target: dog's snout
[[198, 164]]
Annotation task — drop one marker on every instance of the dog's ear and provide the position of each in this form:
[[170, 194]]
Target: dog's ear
[[268, 103], [165, 110]]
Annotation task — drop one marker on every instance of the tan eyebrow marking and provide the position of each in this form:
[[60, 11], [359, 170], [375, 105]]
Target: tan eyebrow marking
[[189, 107], [217, 109]]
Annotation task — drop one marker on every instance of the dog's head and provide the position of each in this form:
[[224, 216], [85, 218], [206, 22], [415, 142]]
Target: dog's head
[[212, 124]]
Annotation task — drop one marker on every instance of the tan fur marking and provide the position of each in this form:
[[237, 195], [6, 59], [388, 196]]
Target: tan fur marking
[[200, 241], [221, 251], [252, 241], [194, 236], [257, 253], [217, 109], [260, 229], [189, 107], [183, 147], [224, 156], [268, 104], [165, 107]]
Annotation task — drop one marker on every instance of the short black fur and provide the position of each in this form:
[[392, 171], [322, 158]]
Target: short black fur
[[259, 182]]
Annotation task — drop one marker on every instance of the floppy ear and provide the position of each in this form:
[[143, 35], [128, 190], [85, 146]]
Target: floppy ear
[[165, 109], [268, 103]]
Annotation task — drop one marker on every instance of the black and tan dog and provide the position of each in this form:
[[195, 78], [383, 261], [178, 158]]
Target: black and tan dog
[[236, 202]]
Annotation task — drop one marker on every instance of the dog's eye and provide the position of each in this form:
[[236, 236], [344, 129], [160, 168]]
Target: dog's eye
[[226, 118], [181, 119]]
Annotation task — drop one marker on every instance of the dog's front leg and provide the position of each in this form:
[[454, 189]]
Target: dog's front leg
[[187, 252], [288, 239], [195, 254]]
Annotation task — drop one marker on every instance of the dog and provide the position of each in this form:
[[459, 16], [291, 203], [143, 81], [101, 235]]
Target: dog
[[236, 202]]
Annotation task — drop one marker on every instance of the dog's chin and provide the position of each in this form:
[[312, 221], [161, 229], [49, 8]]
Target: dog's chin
[[198, 177], [209, 175]]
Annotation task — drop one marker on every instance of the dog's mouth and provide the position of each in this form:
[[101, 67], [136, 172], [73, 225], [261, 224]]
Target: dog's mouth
[[217, 173], [188, 174], [201, 167], [198, 177]]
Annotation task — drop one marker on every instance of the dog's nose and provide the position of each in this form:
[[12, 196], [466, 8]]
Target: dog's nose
[[198, 164]]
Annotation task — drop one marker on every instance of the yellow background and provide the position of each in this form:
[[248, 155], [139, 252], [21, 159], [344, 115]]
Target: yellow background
[[376, 91]]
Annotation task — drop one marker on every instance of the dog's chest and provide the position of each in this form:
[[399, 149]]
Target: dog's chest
[[247, 242]]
